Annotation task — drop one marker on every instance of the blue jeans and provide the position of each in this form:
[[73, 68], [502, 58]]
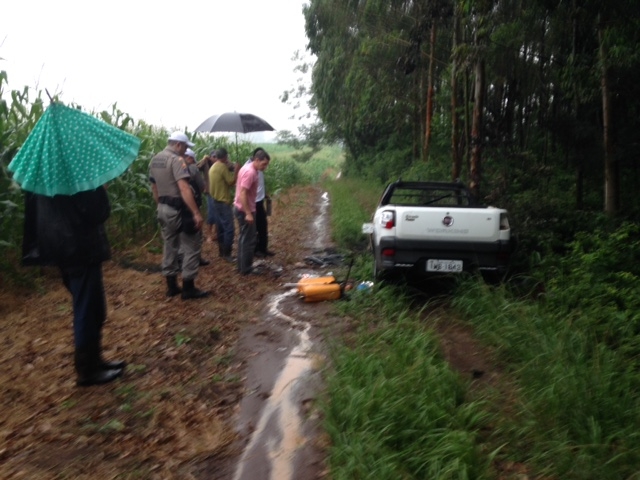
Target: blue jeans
[[211, 213], [89, 304], [224, 223]]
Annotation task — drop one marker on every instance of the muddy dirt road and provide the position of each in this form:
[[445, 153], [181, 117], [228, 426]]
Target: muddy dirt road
[[217, 388], [221, 387]]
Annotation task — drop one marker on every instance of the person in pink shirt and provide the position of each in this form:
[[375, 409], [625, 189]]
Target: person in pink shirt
[[245, 209]]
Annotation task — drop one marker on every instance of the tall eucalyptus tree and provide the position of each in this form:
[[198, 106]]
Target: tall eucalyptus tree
[[372, 63], [540, 85]]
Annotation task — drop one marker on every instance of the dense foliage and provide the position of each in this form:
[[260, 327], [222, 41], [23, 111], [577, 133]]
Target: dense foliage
[[529, 98], [535, 105], [532, 103]]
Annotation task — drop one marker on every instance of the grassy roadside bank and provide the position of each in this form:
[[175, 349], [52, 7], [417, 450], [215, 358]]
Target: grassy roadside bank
[[394, 408], [578, 411]]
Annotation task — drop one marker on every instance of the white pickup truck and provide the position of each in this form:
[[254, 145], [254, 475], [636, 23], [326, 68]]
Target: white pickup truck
[[437, 227]]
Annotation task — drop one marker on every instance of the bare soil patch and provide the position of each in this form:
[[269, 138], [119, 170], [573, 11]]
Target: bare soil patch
[[170, 415], [176, 413]]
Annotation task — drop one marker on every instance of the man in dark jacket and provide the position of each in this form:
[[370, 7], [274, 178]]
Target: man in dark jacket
[[68, 231]]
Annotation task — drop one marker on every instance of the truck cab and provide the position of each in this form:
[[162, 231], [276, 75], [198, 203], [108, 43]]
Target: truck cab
[[437, 227]]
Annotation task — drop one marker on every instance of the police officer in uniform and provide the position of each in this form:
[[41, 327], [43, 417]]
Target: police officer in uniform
[[169, 176]]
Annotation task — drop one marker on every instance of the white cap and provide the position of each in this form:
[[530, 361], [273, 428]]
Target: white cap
[[190, 153], [181, 137]]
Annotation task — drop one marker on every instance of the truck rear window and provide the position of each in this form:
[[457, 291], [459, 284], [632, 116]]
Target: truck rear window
[[419, 197]]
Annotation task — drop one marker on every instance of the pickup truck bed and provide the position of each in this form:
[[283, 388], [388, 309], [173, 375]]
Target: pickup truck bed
[[435, 227]]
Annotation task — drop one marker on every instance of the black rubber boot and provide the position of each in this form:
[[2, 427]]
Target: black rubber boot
[[104, 365], [114, 365], [87, 363], [172, 286], [189, 291], [220, 249]]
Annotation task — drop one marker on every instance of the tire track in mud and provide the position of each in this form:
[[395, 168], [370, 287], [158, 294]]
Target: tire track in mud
[[280, 437]]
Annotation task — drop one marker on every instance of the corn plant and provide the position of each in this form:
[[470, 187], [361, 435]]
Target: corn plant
[[133, 218], [18, 116]]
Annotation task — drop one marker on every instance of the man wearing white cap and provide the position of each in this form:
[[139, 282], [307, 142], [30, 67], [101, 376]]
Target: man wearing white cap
[[169, 176]]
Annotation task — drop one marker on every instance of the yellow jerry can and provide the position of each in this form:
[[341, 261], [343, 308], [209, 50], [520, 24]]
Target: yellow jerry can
[[318, 292], [315, 281]]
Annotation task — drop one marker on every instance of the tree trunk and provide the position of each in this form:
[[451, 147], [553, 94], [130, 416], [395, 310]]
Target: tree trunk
[[455, 124], [476, 129], [611, 175], [576, 106], [416, 133], [430, 92], [543, 113]]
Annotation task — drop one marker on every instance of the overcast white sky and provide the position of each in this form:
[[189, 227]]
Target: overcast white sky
[[169, 63]]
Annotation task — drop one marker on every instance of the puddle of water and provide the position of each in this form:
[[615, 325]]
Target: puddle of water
[[278, 434], [297, 366], [320, 223], [279, 430]]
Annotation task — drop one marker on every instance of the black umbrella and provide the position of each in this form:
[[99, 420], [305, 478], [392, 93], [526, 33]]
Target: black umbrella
[[234, 122]]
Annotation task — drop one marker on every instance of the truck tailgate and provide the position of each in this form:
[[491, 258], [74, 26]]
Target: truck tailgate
[[448, 224]]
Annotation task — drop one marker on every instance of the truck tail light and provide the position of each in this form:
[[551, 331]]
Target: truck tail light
[[388, 219], [504, 222], [388, 252]]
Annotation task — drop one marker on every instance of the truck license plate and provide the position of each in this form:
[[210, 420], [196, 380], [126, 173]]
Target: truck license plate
[[454, 266]]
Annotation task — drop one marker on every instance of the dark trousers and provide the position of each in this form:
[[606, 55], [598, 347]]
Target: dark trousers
[[246, 242], [211, 213], [224, 223], [89, 304], [262, 227]]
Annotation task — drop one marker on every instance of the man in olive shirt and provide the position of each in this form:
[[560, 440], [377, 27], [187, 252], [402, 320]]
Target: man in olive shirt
[[169, 176], [221, 182]]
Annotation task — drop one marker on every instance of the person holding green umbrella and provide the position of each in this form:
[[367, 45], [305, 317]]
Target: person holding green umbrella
[[62, 168]]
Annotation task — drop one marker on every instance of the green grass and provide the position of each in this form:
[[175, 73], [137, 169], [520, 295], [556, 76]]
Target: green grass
[[569, 406], [393, 407], [352, 203], [578, 409], [285, 170], [568, 351]]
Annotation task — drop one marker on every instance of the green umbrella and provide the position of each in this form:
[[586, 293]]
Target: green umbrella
[[70, 151]]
